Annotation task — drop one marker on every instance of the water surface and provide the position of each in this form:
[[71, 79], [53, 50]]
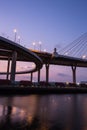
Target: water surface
[[44, 112]]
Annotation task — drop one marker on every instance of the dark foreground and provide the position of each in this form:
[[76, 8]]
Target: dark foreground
[[32, 90]]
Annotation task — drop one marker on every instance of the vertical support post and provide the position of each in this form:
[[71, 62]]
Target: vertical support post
[[13, 66], [31, 76], [47, 73], [8, 66], [74, 73], [38, 76]]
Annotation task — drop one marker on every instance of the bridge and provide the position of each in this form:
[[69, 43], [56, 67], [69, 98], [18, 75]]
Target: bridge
[[52, 59], [13, 52]]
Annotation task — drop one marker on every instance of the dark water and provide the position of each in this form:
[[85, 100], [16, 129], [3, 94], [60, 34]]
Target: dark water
[[44, 112]]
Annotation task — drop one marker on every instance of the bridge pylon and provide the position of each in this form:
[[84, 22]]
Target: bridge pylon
[[74, 74]]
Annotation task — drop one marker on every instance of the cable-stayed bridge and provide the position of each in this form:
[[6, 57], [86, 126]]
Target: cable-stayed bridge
[[73, 55], [78, 48]]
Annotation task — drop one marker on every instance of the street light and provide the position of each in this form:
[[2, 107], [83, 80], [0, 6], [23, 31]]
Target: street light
[[18, 39], [44, 50], [15, 32], [40, 43], [34, 45]]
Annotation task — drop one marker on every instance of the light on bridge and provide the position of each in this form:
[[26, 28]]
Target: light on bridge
[[34, 44], [66, 53], [18, 39], [40, 43], [84, 57], [44, 50]]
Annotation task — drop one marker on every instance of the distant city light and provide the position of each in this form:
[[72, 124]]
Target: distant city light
[[78, 83], [67, 83]]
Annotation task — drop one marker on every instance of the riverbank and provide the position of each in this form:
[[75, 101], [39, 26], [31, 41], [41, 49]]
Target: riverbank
[[10, 90]]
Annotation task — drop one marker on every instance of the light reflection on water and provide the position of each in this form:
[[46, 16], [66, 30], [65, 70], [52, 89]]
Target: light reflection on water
[[44, 112]]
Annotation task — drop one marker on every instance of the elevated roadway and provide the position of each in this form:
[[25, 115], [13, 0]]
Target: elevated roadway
[[61, 59], [12, 51], [57, 59]]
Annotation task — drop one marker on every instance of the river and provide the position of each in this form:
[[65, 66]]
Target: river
[[44, 112]]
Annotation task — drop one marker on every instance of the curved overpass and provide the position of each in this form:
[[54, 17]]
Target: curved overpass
[[15, 52], [7, 47]]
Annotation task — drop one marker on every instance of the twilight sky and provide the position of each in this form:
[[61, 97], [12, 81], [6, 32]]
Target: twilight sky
[[55, 23]]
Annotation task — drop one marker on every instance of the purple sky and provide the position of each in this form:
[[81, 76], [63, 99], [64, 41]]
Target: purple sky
[[55, 23]]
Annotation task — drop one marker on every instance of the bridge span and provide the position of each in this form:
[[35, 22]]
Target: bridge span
[[13, 52], [57, 59]]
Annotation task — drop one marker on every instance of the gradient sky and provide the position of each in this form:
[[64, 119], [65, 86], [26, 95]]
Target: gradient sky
[[55, 23]]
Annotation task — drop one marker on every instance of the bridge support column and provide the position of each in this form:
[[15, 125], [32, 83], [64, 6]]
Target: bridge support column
[[13, 66], [38, 76], [74, 73], [47, 73], [8, 66], [31, 77]]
